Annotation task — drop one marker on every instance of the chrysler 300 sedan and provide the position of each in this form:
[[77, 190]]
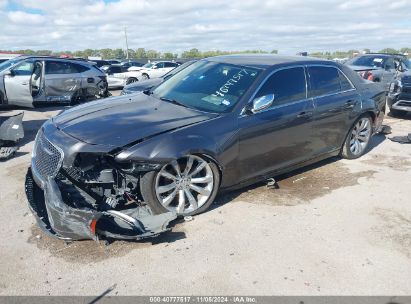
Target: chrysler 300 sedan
[[127, 166]]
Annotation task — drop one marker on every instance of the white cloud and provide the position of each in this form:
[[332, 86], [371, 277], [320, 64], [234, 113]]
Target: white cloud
[[25, 19], [287, 25]]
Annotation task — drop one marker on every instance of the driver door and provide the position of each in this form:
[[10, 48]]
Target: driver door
[[17, 84], [281, 135], [158, 70]]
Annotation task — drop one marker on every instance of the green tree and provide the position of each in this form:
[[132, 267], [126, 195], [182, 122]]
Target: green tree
[[141, 53], [389, 51]]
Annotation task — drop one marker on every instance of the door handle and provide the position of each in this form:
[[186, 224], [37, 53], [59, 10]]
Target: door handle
[[24, 83], [350, 104], [305, 114], [90, 80]]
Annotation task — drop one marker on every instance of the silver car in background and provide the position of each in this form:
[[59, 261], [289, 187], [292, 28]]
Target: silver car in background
[[30, 80]]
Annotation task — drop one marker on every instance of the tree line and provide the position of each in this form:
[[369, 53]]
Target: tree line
[[142, 53]]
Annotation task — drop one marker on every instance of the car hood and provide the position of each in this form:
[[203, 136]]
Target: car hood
[[358, 68], [124, 120]]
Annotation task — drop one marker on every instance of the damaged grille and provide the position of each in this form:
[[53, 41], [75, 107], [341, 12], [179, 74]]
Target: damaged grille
[[47, 157]]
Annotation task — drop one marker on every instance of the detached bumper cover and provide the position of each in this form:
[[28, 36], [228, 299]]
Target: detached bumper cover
[[59, 220]]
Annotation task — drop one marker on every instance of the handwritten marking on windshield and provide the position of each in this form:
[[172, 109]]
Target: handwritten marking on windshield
[[232, 81]]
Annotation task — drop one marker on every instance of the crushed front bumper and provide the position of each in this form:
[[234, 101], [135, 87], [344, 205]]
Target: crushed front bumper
[[60, 220]]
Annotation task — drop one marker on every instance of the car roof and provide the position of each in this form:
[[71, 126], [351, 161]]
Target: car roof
[[81, 61], [264, 61], [381, 55]]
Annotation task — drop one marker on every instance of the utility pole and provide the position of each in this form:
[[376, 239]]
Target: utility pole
[[125, 34]]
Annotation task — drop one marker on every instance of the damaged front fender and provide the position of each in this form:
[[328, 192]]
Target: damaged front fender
[[60, 220]]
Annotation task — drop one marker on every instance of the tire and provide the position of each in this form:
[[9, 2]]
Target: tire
[[163, 190], [131, 80], [397, 113], [358, 138], [145, 76]]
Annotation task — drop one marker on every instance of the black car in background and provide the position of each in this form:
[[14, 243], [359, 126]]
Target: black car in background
[[100, 63], [220, 123], [140, 86], [377, 67], [399, 94]]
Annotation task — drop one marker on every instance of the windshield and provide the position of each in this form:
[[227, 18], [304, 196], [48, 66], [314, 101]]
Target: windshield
[[370, 61], [178, 69], [407, 63], [208, 86], [8, 63], [148, 65]]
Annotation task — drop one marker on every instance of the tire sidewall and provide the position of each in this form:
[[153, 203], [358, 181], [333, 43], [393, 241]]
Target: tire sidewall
[[148, 183]]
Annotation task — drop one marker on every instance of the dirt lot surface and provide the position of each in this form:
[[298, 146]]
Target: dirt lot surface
[[337, 228]]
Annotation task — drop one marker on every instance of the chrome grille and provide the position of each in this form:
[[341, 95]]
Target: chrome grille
[[46, 157]]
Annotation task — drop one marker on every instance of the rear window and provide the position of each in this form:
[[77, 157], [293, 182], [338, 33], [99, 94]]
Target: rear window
[[59, 67], [369, 61], [323, 80]]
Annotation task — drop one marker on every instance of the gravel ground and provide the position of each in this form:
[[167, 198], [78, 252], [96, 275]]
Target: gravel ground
[[336, 228]]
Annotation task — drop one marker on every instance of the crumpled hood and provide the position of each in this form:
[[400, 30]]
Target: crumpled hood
[[122, 120], [362, 68]]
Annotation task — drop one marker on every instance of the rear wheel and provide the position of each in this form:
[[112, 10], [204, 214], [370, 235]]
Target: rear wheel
[[131, 80], [358, 138], [186, 186]]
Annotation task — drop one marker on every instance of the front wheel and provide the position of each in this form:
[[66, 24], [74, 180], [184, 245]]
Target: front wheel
[[186, 186], [358, 138], [131, 80], [145, 76]]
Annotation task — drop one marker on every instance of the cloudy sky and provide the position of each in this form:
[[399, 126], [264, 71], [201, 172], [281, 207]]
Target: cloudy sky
[[287, 25]]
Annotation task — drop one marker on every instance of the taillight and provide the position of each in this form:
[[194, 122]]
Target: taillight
[[366, 75], [370, 77]]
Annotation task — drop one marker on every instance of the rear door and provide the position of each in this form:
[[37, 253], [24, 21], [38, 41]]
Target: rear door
[[334, 97], [279, 136], [17, 84], [62, 81]]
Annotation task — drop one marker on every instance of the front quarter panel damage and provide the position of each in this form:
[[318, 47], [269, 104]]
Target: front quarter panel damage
[[60, 220]]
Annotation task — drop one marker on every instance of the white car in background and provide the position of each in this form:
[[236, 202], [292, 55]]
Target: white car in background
[[117, 77], [153, 69]]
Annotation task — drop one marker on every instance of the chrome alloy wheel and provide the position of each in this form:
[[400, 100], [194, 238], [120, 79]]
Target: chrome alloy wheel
[[184, 185], [360, 136]]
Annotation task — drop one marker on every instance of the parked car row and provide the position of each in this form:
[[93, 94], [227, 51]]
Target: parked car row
[[124, 167], [117, 77]]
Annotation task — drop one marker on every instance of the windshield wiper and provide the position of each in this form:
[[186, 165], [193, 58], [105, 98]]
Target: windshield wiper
[[173, 101]]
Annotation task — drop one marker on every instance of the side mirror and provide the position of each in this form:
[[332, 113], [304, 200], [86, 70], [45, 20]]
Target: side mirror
[[262, 103], [154, 67], [9, 73]]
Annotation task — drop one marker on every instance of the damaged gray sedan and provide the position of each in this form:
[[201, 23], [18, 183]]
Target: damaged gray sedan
[[30, 80], [126, 166]]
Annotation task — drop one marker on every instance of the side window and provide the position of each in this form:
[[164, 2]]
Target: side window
[[287, 85], [344, 82], [23, 68], [160, 65], [389, 64], [169, 65], [323, 80], [57, 67], [80, 68], [115, 69]]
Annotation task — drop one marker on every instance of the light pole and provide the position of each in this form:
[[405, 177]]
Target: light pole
[[125, 34]]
